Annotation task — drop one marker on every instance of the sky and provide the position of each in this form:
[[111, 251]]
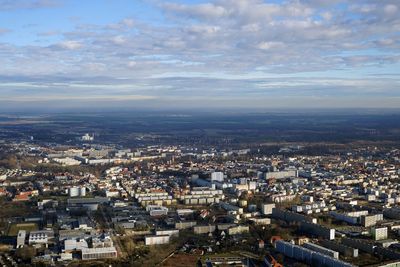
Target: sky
[[199, 54]]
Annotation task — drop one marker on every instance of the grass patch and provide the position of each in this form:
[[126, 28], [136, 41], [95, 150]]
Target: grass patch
[[14, 228]]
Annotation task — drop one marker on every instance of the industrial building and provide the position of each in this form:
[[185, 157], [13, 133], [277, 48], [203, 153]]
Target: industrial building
[[86, 203], [98, 253], [307, 255]]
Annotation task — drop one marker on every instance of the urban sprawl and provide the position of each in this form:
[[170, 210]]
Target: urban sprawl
[[186, 206]]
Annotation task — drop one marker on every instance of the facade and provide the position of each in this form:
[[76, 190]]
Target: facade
[[185, 224], [99, 253], [260, 221], [266, 209], [231, 208], [359, 244], [156, 239], [77, 191], [369, 220], [86, 203], [341, 248], [75, 244], [323, 250], [290, 216], [308, 256], [281, 174], [38, 237], [236, 230], [204, 229], [21, 238], [156, 211], [318, 230], [173, 232], [217, 176], [379, 233]]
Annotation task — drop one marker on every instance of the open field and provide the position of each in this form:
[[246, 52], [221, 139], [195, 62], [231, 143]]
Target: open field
[[181, 260], [14, 228], [201, 129]]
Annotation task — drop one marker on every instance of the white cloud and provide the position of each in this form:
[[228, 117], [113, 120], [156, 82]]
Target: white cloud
[[71, 45], [391, 9], [131, 64], [270, 45], [207, 10], [224, 37], [118, 39]]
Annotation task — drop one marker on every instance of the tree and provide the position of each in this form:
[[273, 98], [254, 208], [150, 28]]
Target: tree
[[26, 253]]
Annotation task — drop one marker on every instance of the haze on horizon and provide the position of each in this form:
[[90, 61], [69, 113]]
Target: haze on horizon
[[237, 54]]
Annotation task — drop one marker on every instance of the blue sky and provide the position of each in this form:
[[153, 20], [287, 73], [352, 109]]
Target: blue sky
[[200, 54]]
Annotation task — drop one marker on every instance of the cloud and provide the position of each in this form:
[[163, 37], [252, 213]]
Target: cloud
[[391, 9], [222, 49], [27, 4], [77, 98], [270, 45], [70, 45], [206, 10], [119, 39]]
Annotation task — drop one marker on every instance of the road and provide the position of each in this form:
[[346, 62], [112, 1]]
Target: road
[[117, 242]]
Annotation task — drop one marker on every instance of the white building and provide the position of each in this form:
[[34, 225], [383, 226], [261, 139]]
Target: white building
[[99, 253], [75, 244], [67, 161], [379, 233], [21, 238], [87, 137], [217, 176], [156, 240], [77, 191], [38, 237], [266, 209], [155, 210]]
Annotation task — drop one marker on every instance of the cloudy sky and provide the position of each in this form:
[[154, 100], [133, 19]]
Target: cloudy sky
[[199, 53]]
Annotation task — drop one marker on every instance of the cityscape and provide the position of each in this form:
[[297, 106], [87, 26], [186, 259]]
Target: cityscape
[[203, 200], [205, 133]]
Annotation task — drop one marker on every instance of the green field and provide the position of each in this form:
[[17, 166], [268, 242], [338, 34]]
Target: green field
[[14, 228]]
